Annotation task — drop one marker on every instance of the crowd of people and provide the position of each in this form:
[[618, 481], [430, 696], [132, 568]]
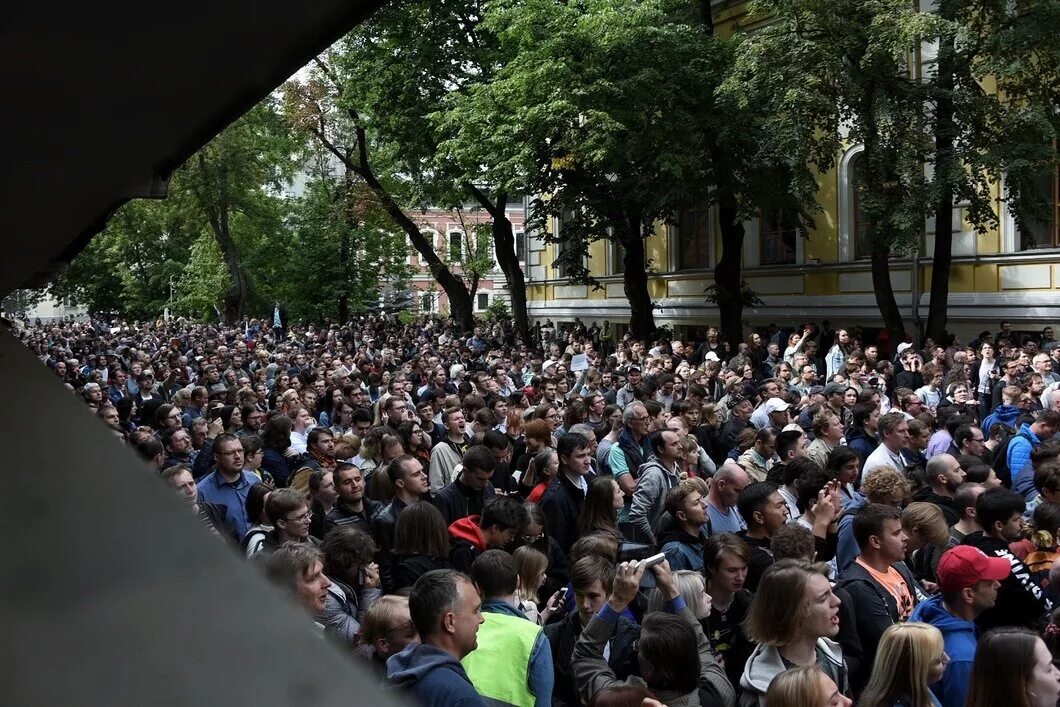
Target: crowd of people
[[807, 519]]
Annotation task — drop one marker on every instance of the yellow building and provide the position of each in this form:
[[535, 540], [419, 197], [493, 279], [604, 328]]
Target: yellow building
[[823, 274]]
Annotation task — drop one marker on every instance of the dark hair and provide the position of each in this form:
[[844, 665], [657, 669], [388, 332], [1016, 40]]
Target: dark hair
[[1003, 668], [797, 468], [255, 504], [838, 458], [316, 478], [793, 541], [658, 441], [346, 547], [316, 433], [718, 545], [598, 513], [421, 530], [252, 444], [496, 440], [503, 512], [394, 468], [277, 434], [571, 442], [587, 570], [754, 498], [434, 594], [479, 458], [997, 505], [621, 695], [862, 412], [495, 574], [809, 485], [668, 653], [870, 519], [787, 441]]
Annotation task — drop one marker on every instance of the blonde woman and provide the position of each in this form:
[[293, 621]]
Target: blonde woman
[[909, 659], [928, 534], [532, 568], [805, 686], [693, 590]]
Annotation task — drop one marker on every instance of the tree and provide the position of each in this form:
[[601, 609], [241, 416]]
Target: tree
[[594, 106], [233, 183], [845, 63], [982, 136]]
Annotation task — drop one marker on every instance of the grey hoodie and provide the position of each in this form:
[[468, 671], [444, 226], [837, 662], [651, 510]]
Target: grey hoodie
[[766, 663], [654, 481]]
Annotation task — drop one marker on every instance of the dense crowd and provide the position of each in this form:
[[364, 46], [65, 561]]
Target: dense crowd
[[805, 519]]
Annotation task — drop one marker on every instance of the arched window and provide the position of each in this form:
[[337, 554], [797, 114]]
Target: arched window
[[862, 226], [855, 230], [693, 240]]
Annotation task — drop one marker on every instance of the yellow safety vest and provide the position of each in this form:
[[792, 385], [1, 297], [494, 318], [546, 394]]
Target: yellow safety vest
[[500, 667]]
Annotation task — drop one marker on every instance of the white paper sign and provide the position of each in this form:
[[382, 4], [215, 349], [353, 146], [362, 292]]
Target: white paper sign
[[579, 363]]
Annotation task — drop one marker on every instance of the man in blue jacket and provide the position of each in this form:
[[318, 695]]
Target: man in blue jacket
[[446, 611], [1019, 451], [968, 581]]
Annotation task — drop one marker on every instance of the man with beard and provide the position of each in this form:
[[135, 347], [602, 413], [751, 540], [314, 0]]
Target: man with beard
[[351, 508], [944, 475]]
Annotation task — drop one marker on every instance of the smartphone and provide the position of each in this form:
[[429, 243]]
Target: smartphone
[[653, 560]]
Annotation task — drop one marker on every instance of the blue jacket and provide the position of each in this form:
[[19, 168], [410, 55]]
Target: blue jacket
[[1019, 461], [847, 549], [432, 677], [1002, 413], [862, 444], [541, 676], [960, 639]]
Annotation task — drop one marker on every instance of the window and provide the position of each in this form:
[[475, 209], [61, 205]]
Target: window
[[561, 245], [483, 300], [693, 239], [455, 246], [1043, 232], [427, 302], [618, 257], [862, 231], [520, 246], [778, 237]]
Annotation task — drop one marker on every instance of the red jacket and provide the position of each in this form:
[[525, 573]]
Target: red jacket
[[467, 529]]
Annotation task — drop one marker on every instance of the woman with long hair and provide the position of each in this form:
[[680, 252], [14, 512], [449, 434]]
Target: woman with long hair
[[231, 418], [539, 475], [794, 618], [1013, 667], [805, 686], [538, 436], [535, 535], [278, 455], [421, 544], [599, 514], [415, 441], [910, 657]]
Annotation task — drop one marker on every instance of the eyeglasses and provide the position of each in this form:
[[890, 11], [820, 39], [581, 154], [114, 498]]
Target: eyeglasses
[[304, 518]]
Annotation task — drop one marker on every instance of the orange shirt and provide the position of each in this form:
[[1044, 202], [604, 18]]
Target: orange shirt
[[895, 585]]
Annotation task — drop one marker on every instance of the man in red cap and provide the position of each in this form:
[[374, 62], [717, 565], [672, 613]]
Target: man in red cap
[[968, 581]]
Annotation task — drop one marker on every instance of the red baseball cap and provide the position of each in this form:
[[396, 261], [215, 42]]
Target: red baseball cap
[[965, 566]]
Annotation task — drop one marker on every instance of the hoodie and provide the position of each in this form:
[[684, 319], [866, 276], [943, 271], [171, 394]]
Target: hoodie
[[766, 663], [654, 481], [848, 550], [432, 677], [1006, 414], [1020, 601], [1019, 461], [468, 543], [860, 441], [960, 638]]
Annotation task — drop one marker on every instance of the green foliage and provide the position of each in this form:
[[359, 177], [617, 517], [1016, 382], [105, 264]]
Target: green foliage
[[498, 310], [747, 296], [19, 302]]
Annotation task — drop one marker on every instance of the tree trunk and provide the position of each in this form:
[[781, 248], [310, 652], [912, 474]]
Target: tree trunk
[[504, 249], [881, 283], [942, 256], [727, 278], [235, 299], [635, 281]]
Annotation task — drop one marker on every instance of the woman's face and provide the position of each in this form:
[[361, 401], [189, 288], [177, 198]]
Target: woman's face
[[756, 339], [938, 666], [848, 472], [822, 608], [336, 396], [618, 500], [236, 419], [850, 398], [553, 466], [784, 372], [1044, 687], [301, 419], [988, 351]]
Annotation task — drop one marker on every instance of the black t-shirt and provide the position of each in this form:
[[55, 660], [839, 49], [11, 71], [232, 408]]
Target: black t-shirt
[[726, 634]]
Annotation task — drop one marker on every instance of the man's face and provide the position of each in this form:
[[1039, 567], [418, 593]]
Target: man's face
[[229, 457], [414, 480], [578, 462], [455, 424], [801, 447], [466, 618], [953, 476], [589, 601], [312, 589], [672, 449], [694, 509], [350, 484], [1011, 529], [892, 540], [253, 420], [984, 595], [325, 447], [729, 491], [899, 436], [641, 422], [362, 427], [873, 422], [185, 484], [110, 416], [808, 374], [743, 410], [476, 479], [296, 522], [779, 419], [767, 447], [774, 513], [180, 443]]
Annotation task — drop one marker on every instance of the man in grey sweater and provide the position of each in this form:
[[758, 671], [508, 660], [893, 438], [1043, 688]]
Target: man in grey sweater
[[655, 479], [676, 659]]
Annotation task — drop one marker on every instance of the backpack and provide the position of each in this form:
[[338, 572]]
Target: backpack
[[1004, 474]]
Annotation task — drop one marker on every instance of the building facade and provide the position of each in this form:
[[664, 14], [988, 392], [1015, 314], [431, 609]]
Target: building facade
[[450, 230], [823, 274]]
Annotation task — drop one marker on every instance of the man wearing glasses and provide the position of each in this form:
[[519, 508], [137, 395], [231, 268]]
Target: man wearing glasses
[[228, 484]]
